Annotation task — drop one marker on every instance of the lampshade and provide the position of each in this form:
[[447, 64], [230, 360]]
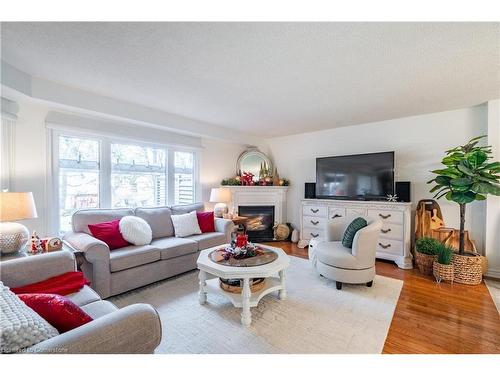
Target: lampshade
[[220, 195], [17, 206]]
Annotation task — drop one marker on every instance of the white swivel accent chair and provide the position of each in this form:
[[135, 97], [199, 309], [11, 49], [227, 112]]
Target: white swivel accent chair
[[353, 266]]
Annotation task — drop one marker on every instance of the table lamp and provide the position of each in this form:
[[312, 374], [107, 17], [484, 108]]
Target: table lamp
[[14, 207], [220, 196]]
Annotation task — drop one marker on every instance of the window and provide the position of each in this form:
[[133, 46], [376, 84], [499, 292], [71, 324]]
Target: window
[[101, 172], [78, 177], [183, 177], [138, 176]]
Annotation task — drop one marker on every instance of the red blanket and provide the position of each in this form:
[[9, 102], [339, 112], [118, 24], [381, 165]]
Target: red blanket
[[66, 283]]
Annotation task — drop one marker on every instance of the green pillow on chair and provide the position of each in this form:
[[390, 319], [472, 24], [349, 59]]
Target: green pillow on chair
[[351, 230]]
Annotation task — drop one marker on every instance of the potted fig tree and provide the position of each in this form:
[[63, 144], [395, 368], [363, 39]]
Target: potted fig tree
[[468, 175]]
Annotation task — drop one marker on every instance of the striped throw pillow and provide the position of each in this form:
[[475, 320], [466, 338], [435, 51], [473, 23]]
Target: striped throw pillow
[[351, 230]]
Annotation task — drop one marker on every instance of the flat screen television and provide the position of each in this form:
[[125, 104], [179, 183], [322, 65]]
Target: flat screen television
[[356, 177]]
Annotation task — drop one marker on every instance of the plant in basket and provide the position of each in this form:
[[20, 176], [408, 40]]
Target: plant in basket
[[469, 175], [443, 266], [426, 252]]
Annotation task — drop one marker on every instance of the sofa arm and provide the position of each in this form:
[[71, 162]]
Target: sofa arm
[[96, 260], [93, 249], [32, 269], [225, 226], [132, 329]]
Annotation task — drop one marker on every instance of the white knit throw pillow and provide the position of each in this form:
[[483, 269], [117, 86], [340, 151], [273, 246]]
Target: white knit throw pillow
[[186, 224], [20, 326], [135, 230]]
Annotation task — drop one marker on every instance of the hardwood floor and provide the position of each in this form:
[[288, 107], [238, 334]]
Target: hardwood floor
[[435, 318]]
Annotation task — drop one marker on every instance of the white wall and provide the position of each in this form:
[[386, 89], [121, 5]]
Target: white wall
[[218, 162], [492, 245], [31, 157], [419, 143]]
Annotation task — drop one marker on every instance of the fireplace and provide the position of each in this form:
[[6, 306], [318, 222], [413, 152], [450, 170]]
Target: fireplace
[[259, 225]]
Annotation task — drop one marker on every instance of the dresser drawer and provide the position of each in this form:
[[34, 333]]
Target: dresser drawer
[[336, 213], [309, 233], [385, 245], [391, 231], [386, 216], [353, 213], [312, 210], [314, 222]]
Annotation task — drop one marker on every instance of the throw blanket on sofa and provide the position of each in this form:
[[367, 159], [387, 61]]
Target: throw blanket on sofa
[[66, 283]]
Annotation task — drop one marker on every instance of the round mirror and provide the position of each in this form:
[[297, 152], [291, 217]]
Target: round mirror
[[252, 161]]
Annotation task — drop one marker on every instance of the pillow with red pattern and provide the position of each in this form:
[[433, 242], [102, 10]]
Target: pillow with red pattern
[[57, 310], [109, 232], [206, 221]]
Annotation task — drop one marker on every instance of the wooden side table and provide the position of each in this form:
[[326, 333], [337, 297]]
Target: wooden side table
[[240, 221]]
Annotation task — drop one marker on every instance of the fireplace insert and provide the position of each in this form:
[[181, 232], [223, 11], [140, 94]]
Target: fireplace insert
[[259, 225]]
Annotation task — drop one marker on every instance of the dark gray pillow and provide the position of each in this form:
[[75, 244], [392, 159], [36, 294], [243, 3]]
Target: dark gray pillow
[[351, 230]]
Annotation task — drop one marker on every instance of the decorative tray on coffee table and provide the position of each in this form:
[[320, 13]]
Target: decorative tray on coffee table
[[261, 256]]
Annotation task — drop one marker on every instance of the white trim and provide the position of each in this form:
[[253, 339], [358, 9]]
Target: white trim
[[7, 134], [495, 273], [115, 137]]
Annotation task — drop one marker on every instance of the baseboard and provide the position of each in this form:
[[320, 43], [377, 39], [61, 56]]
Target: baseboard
[[493, 274]]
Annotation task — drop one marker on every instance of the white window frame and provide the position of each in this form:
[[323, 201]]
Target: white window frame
[[105, 169]]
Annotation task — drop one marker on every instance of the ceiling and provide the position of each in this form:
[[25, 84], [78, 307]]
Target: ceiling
[[268, 79]]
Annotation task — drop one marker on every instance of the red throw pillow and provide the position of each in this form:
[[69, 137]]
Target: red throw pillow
[[206, 221], [109, 232], [59, 311]]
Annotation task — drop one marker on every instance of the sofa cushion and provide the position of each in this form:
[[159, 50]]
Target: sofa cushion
[[158, 219], [351, 230], [206, 221], [59, 311], [82, 218], [132, 256], [206, 240], [171, 247], [186, 224], [186, 208], [336, 255], [20, 326], [136, 230], [109, 233], [83, 297], [99, 308]]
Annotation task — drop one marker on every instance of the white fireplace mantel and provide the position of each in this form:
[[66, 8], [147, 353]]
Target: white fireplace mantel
[[260, 196]]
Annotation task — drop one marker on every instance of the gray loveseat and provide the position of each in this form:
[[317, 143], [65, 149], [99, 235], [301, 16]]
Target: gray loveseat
[[132, 329], [117, 271]]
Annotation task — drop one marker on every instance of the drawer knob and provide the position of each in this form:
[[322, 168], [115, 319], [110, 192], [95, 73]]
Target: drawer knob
[[384, 216], [314, 234], [314, 210], [314, 222], [385, 230], [336, 216], [384, 246]]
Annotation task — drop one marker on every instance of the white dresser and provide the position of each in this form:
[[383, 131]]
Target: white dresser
[[395, 237]]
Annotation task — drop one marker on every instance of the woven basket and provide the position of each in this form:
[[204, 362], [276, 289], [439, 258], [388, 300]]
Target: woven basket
[[237, 289], [443, 272], [484, 264], [467, 269], [424, 262]]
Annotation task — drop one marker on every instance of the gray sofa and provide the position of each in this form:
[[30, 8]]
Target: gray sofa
[[117, 271], [132, 329]]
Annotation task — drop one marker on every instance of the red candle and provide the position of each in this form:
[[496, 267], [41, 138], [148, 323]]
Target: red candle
[[241, 240]]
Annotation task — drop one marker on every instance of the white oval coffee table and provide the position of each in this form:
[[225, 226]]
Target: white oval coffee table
[[274, 272]]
